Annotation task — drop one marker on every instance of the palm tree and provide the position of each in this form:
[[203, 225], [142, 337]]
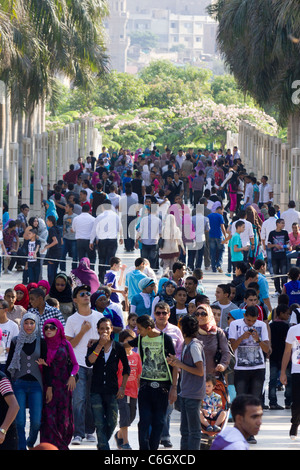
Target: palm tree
[[259, 42]]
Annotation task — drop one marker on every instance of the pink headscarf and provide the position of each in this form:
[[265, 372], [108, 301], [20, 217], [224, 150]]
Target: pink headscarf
[[210, 326], [54, 342], [45, 284]]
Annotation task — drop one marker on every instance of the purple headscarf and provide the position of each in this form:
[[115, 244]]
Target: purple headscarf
[[86, 275]]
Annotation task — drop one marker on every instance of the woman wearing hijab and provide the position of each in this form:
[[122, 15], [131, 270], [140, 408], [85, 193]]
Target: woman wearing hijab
[[141, 303], [22, 300], [50, 208], [213, 339], [23, 369], [61, 290], [84, 275], [165, 293], [171, 235], [57, 416], [43, 284]]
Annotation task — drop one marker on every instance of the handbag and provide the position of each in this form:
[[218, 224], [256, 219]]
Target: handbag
[[218, 356], [161, 242]]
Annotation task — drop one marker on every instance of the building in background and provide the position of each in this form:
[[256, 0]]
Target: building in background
[[182, 29]]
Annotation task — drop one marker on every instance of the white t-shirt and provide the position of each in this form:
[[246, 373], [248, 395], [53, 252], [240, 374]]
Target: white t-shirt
[[246, 234], [73, 327], [293, 338], [248, 355], [9, 330]]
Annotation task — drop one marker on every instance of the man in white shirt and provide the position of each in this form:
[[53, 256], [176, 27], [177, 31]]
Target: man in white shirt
[[107, 228], [290, 216], [265, 192], [149, 233], [248, 197], [82, 225], [267, 227], [180, 158], [247, 237], [80, 328]]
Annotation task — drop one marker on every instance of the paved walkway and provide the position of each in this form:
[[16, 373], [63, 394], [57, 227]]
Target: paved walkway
[[276, 424]]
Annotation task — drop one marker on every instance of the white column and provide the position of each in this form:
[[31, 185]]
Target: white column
[[52, 158], [60, 144], [26, 170], [277, 177], [66, 149], [284, 176], [83, 152], [1, 181], [272, 161], [13, 180], [45, 164], [37, 184], [71, 150], [295, 177], [76, 140], [90, 136], [266, 150]]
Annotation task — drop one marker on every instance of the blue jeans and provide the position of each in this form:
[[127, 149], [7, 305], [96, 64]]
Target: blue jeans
[[34, 269], [28, 394], [216, 253], [105, 412], [83, 416], [69, 247], [274, 374], [190, 425], [52, 271]]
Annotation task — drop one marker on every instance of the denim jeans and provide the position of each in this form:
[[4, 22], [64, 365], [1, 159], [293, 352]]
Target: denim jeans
[[106, 250], [190, 425], [216, 253], [150, 252], [105, 412], [195, 258], [69, 247], [34, 269], [83, 416], [274, 374], [153, 404], [279, 267], [249, 381], [28, 394], [52, 271]]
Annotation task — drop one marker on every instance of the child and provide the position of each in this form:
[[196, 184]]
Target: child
[[198, 273], [236, 247], [128, 404], [131, 325], [33, 264], [180, 299], [53, 302], [216, 309], [212, 407], [192, 307], [292, 288], [113, 280]]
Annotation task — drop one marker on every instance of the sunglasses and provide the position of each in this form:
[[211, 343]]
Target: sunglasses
[[158, 313], [201, 314], [82, 294], [50, 327]]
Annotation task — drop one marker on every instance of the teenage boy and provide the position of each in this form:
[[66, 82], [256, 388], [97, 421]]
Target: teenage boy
[[236, 247], [223, 293], [113, 280], [278, 242], [249, 339], [158, 384]]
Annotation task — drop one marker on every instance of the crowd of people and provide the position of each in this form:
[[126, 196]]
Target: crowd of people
[[85, 347]]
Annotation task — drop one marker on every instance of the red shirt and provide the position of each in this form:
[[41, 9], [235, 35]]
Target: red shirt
[[135, 364]]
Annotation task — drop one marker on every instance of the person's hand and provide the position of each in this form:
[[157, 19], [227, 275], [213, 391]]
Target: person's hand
[[41, 362], [172, 394], [120, 393], [71, 384], [173, 361], [85, 327], [2, 437], [220, 368], [49, 394], [283, 378]]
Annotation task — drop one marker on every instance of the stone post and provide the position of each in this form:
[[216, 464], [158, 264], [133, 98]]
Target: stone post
[[37, 184], [83, 152], [52, 159], [26, 170], [277, 166], [285, 176], [66, 149], [45, 164], [71, 150], [295, 177], [90, 136], [76, 139], [13, 180], [60, 144]]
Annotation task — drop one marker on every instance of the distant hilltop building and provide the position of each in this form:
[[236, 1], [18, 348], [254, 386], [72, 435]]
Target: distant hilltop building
[[178, 25]]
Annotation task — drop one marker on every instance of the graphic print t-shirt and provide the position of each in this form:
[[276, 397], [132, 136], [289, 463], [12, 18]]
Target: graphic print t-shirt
[[249, 354], [154, 364], [293, 338], [278, 238]]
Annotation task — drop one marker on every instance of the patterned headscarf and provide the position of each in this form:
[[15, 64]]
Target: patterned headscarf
[[210, 326], [22, 339]]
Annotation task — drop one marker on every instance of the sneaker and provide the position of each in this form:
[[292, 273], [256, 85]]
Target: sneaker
[[252, 440], [228, 274], [166, 443], [276, 294], [220, 270], [293, 432], [125, 447], [209, 428], [76, 441], [276, 407], [119, 441], [90, 437], [216, 428], [8, 271]]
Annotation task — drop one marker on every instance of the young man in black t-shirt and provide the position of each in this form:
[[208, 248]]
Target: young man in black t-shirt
[[278, 242]]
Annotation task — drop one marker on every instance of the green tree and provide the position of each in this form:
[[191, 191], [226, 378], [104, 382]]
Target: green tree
[[144, 39], [256, 39]]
